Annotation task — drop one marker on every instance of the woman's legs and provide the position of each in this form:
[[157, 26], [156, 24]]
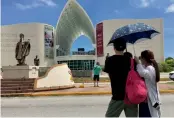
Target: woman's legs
[[144, 110]]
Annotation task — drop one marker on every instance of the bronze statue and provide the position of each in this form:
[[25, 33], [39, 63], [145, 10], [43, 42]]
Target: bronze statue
[[36, 61], [22, 50]]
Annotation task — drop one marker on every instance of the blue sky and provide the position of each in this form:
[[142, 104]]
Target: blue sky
[[48, 11]]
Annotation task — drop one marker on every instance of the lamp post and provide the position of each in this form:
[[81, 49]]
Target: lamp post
[[83, 71]]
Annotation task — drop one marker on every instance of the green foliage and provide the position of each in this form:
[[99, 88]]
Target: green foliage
[[167, 66], [169, 58], [164, 67], [170, 62]]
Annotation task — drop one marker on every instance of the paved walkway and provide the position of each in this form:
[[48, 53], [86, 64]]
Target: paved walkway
[[103, 87]]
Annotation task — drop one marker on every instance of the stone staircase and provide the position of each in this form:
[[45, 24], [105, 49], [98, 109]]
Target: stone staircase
[[23, 85]]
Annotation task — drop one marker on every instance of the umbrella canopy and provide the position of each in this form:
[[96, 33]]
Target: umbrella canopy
[[133, 32]]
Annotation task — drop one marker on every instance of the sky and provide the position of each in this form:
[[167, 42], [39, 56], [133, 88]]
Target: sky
[[48, 11]]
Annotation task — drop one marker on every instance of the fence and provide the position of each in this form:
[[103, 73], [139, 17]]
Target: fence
[[81, 73]]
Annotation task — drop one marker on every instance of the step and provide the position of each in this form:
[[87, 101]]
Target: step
[[17, 79], [22, 83], [17, 88], [16, 91], [17, 84]]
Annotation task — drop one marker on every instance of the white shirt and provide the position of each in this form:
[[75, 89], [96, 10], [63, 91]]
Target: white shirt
[[149, 74]]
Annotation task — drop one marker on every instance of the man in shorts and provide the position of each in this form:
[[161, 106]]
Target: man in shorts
[[97, 69]]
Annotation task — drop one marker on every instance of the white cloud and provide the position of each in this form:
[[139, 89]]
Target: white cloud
[[116, 11], [170, 8], [141, 3], [48, 2], [144, 3], [35, 4], [29, 6]]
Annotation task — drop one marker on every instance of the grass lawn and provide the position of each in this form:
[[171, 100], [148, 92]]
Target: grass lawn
[[171, 83], [89, 80], [165, 79], [103, 79]]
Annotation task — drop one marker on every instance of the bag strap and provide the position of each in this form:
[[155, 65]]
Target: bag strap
[[132, 64]]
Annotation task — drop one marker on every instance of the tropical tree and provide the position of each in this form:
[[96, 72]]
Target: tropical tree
[[170, 61], [164, 67], [169, 58]]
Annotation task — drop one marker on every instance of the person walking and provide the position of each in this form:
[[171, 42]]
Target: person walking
[[117, 67], [148, 69], [97, 69]]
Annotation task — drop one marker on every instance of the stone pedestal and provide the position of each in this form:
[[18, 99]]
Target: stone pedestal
[[18, 72]]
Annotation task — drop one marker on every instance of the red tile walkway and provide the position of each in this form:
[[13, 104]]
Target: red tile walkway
[[102, 88]]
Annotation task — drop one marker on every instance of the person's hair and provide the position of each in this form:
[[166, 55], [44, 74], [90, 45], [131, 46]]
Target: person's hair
[[98, 63], [119, 44], [21, 35], [148, 56], [128, 54]]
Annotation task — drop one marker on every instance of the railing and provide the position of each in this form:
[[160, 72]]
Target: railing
[[81, 73]]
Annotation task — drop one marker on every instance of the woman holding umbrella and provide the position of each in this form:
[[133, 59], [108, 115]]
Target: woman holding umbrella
[[148, 69]]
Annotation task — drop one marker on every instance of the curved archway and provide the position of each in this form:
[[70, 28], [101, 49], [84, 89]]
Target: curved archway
[[82, 42], [73, 22]]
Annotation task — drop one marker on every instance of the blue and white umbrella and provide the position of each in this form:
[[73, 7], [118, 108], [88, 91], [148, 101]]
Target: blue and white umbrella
[[133, 32]]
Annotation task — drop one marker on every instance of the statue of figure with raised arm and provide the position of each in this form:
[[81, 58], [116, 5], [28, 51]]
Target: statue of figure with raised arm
[[22, 50]]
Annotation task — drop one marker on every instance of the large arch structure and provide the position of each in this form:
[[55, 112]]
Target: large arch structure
[[73, 22]]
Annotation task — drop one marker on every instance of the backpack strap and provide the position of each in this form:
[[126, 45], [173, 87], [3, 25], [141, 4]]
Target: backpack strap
[[132, 64]]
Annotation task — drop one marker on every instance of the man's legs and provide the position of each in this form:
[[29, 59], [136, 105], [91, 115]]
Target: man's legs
[[94, 79], [98, 79], [131, 110], [94, 83], [115, 108]]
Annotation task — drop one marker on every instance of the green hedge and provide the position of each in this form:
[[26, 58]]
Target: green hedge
[[167, 65]]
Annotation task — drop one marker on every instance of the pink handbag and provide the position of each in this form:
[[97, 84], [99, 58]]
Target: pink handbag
[[136, 91]]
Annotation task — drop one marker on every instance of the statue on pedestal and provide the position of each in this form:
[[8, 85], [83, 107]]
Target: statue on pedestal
[[22, 50], [36, 61]]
